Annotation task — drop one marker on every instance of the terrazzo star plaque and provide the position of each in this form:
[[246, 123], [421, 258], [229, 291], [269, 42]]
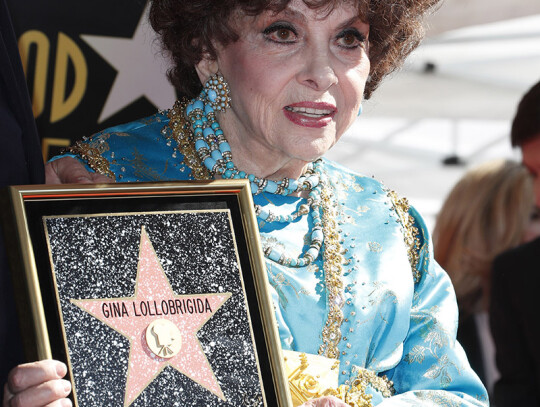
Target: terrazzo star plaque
[[152, 295], [161, 327]]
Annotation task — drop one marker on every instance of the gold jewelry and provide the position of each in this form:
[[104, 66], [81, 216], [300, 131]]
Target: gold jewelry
[[217, 92]]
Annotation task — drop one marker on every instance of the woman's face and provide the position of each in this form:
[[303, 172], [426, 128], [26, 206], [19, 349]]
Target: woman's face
[[296, 81]]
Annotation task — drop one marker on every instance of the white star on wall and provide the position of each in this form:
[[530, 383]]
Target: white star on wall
[[140, 65]]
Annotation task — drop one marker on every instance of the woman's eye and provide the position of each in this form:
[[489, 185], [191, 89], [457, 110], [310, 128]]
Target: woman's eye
[[350, 39], [280, 33], [284, 34]]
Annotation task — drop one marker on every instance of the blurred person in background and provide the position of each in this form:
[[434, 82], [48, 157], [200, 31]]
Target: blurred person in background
[[487, 212], [514, 306]]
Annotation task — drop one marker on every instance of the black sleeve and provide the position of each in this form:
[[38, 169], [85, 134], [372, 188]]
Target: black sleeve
[[509, 315]]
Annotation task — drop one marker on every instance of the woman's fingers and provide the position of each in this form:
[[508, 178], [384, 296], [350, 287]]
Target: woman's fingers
[[32, 374], [68, 170], [37, 384], [50, 393], [327, 401], [60, 403]]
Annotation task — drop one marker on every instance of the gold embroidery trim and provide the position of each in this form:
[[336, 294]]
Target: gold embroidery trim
[[91, 153], [410, 232], [380, 383], [332, 266], [180, 131], [315, 376]]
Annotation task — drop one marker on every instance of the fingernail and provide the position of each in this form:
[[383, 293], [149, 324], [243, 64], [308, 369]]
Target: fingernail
[[67, 386], [61, 369], [66, 403]]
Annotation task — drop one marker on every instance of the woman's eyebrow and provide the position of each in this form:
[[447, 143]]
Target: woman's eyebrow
[[292, 14], [351, 21]]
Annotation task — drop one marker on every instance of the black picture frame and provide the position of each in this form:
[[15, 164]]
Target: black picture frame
[[74, 243]]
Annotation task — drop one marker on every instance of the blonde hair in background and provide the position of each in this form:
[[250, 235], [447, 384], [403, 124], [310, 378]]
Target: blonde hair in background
[[485, 214]]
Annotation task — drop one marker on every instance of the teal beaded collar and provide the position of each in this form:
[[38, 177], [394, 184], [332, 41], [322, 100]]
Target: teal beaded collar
[[215, 153]]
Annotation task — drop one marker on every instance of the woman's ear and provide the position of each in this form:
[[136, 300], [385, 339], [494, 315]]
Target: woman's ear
[[206, 67]]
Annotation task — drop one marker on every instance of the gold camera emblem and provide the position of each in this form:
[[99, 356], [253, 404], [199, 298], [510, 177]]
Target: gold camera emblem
[[163, 338]]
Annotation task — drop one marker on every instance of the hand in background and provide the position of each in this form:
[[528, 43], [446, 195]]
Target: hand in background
[[68, 170], [37, 384]]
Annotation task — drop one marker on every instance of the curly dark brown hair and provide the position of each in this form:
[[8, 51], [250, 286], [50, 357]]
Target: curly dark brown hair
[[188, 28]]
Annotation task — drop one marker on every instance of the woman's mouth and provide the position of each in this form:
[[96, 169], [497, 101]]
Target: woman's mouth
[[310, 114]]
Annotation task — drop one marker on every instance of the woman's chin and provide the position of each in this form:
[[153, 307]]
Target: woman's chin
[[312, 148], [311, 154]]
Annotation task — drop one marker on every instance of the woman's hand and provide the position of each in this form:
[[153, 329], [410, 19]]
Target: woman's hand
[[327, 401], [68, 170], [37, 384]]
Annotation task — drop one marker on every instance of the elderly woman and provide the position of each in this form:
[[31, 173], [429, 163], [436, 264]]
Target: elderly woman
[[268, 87]]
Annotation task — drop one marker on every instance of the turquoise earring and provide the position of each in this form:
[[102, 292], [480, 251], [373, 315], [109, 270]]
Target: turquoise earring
[[360, 110], [217, 92]]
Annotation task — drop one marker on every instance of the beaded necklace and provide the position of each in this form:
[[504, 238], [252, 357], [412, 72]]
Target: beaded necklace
[[319, 201], [215, 153]]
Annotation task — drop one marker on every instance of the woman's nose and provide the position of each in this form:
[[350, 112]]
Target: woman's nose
[[318, 71]]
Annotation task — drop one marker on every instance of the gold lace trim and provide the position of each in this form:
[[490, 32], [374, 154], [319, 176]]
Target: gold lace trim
[[355, 394], [312, 376], [92, 154], [410, 232], [180, 131], [382, 384], [332, 265]]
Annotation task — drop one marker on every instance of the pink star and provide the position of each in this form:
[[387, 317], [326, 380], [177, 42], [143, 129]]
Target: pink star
[[155, 300]]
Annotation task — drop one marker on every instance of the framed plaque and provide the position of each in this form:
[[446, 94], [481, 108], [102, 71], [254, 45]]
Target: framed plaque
[[152, 294]]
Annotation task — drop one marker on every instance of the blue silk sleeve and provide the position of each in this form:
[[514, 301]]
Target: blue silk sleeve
[[434, 369]]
